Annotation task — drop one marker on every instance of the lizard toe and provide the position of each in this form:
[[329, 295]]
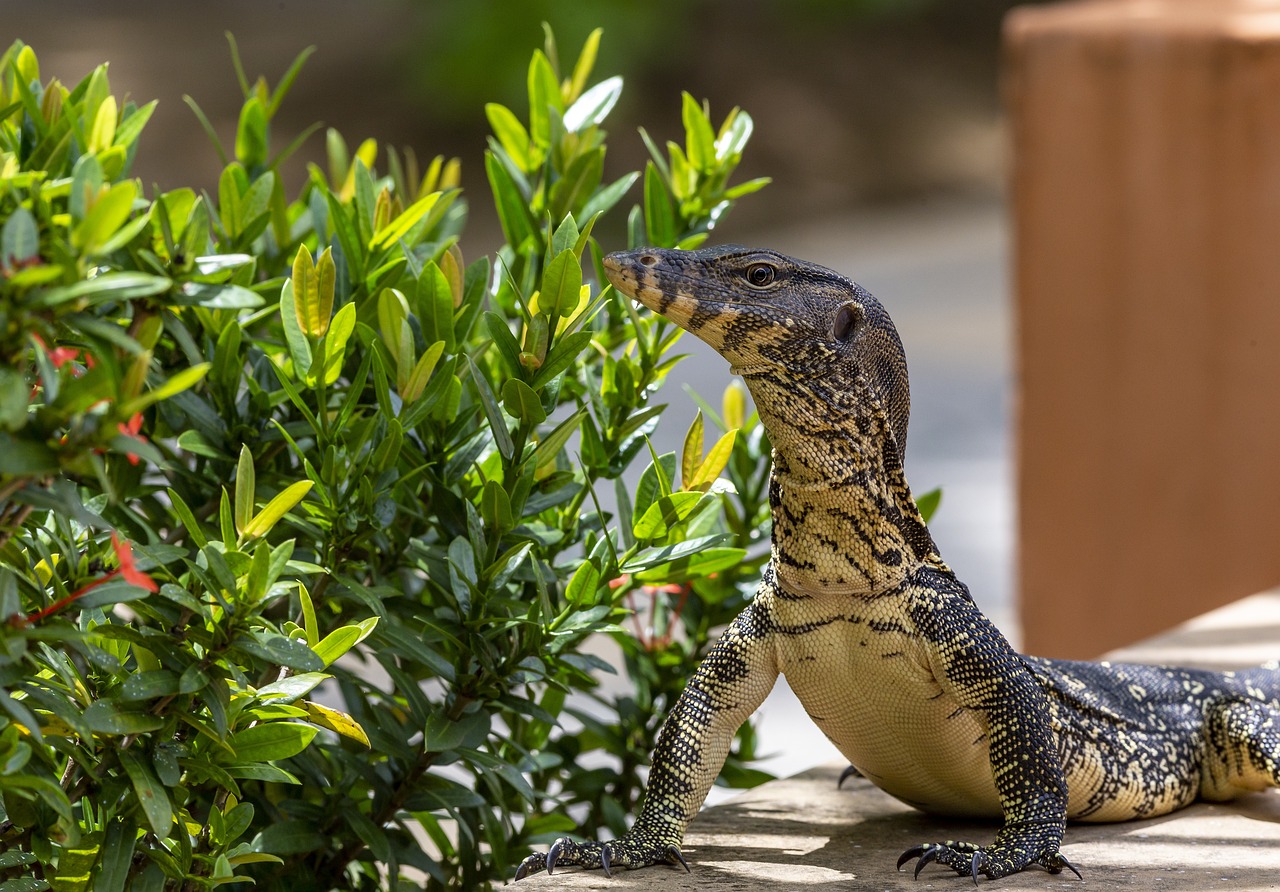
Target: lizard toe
[[531, 865], [1056, 861]]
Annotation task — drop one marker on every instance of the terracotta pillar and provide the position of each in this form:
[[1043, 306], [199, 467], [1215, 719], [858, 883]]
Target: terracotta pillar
[[1146, 197]]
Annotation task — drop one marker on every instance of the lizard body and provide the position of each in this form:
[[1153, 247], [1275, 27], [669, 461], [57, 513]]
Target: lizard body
[[881, 643]]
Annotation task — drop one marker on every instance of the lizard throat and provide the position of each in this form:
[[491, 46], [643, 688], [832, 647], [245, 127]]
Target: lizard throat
[[837, 540]]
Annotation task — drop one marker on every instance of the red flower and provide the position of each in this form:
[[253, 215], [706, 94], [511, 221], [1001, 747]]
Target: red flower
[[60, 356], [130, 429], [128, 569]]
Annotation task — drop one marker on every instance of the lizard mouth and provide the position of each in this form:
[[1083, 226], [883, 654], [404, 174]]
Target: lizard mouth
[[633, 274], [668, 291]]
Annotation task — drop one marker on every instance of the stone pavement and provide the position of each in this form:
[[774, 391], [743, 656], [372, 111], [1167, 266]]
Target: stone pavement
[[802, 832]]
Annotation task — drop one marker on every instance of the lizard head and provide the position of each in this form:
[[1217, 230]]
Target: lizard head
[[784, 325]]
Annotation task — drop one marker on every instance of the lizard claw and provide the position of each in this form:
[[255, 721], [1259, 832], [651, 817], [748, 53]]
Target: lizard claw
[[846, 774], [553, 855], [973, 866], [924, 853], [913, 852], [606, 858], [673, 851], [1062, 862], [929, 854]]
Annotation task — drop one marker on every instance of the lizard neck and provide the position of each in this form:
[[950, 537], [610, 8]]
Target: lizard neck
[[844, 520]]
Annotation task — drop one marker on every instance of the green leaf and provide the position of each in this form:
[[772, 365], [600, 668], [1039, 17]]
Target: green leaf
[[733, 136], [501, 436], [336, 721], [654, 482], [290, 837], [335, 342], [225, 296], [288, 690], [699, 139], [251, 134], [400, 226], [313, 287], [695, 566], [665, 513], [553, 442], [691, 455], [652, 557], [593, 106], [586, 62], [86, 180], [342, 639], [605, 199], [188, 519], [279, 650], [659, 216], [245, 485], [561, 285], [928, 503], [544, 98], [435, 307], [25, 457], [566, 351], [581, 591], [518, 225], [522, 403], [149, 685], [19, 240], [511, 134], [181, 380], [110, 286], [117, 851], [277, 508], [441, 734], [299, 346], [271, 741], [130, 127], [495, 507], [106, 718], [714, 463], [107, 215], [152, 795], [580, 181]]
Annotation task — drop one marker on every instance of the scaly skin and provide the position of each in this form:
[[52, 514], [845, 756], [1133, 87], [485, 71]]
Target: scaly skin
[[879, 640]]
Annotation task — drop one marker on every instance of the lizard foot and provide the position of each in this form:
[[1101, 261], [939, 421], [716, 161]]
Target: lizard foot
[[968, 859], [630, 851]]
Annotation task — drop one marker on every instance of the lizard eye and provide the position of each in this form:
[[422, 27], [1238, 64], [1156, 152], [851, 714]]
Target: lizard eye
[[760, 275], [846, 321]]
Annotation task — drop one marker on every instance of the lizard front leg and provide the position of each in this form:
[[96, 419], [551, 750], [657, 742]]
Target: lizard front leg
[[731, 682], [978, 667]]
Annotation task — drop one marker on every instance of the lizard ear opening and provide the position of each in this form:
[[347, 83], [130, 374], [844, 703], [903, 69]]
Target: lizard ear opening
[[846, 321]]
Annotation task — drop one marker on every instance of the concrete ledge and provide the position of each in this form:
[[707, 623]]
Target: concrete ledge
[[803, 832]]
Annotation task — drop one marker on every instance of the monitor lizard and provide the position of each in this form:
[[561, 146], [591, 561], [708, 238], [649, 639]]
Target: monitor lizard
[[880, 641]]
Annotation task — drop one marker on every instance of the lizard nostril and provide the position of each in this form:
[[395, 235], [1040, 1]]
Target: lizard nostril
[[648, 260]]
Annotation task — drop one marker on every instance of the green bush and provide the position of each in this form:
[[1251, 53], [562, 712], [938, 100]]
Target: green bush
[[306, 522]]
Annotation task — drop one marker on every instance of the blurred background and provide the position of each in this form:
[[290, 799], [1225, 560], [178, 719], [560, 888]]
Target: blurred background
[[878, 120]]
